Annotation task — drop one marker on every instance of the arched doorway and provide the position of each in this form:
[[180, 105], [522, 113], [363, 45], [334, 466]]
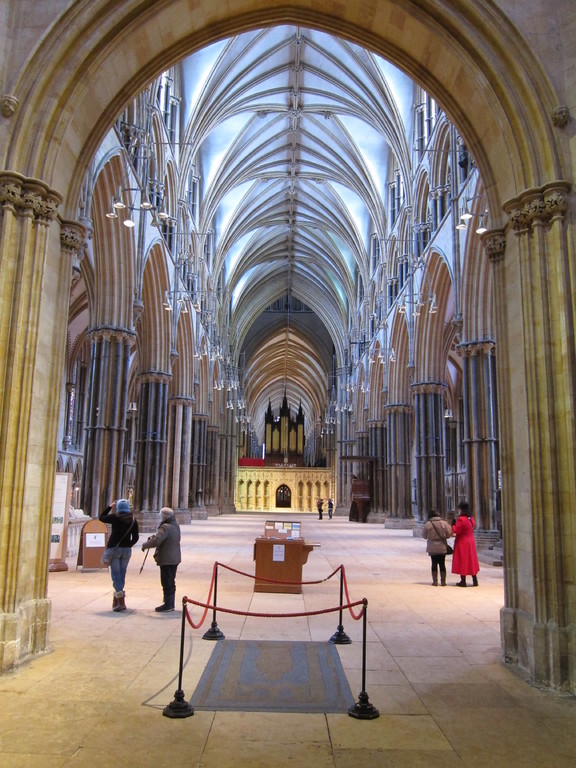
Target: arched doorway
[[283, 497], [520, 158]]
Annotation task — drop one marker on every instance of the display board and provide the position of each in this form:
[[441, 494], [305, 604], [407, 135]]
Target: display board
[[93, 543], [282, 529], [59, 524]]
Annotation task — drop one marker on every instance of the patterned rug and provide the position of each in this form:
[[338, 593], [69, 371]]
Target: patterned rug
[[264, 676]]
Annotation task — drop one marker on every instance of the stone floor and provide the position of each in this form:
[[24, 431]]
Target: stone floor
[[433, 666]]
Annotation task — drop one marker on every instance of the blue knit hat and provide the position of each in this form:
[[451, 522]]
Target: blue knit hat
[[123, 507]]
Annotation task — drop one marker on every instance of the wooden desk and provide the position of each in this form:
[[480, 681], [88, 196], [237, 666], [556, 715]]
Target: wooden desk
[[281, 560]]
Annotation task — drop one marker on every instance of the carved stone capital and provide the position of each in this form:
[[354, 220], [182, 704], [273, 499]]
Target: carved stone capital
[[478, 347], [541, 206], [106, 333], [155, 377], [494, 243], [28, 197], [428, 387], [73, 240]]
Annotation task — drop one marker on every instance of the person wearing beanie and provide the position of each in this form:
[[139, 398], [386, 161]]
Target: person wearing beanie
[[166, 542], [119, 548]]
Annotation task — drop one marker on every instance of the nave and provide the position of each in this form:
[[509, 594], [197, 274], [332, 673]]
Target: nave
[[434, 668]]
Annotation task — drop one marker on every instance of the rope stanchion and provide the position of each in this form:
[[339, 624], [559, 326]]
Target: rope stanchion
[[340, 637], [363, 710], [179, 707], [214, 632]]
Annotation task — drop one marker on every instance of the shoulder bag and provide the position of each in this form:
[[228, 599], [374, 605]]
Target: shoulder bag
[[449, 549]]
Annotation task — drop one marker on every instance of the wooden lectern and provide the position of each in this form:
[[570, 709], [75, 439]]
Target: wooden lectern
[[280, 555]]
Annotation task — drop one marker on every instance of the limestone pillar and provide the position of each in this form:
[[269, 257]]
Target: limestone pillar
[[151, 446], [180, 416], [481, 434], [377, 450], [534, 302], [212, 489], [429, 437], [198, 464], [398, 461], [36, 259], [106, 418]]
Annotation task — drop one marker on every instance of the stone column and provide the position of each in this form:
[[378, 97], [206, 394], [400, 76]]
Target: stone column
[[429, 436], [481, 434], [36, 259], [377, 449], [398, 461], [151, 446], [180, 415], [106, 419], [198, 466], [212, 490], [534, 302]]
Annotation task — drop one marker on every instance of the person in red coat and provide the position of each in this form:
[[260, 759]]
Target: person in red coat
[[465, 558]]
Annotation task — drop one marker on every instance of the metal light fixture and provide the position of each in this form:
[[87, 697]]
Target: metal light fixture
[[481, 227]]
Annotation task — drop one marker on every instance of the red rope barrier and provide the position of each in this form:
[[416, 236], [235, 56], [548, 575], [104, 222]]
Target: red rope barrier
[[274, 581], [252, 614], [356, 618], [208, 606]]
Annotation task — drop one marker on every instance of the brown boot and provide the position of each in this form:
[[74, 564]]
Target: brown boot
[[121, 604], [114, 602]]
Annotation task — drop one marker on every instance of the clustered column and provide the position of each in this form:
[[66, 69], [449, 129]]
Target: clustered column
[[398, 446], [106, 419], [151, 445], [480, 432], [429, 431]]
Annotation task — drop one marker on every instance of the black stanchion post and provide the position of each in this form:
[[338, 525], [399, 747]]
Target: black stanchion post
[[179, 707], [340, 637], [214, 633], [363, 710]]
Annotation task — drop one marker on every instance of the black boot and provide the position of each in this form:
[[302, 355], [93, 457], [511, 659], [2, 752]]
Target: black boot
[[442, 578], [474, 581], [167, 605], [434, 578], [462, 582]]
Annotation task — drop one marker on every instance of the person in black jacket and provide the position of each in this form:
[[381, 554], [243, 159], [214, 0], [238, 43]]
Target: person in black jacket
[[122, 538], [166, 542]]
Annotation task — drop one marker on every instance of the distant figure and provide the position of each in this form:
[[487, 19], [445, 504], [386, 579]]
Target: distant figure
[[436, 531], [319, 505], [330, 508], [119, 547], [166, 542], [465, 560]]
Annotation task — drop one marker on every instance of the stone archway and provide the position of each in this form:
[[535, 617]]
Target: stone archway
[[62, 99]]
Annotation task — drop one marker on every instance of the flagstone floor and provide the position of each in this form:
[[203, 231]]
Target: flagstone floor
[[433, 668]]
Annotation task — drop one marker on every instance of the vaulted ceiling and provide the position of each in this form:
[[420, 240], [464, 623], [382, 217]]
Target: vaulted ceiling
[[293, 133]]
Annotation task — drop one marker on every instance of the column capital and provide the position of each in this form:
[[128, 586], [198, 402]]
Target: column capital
[[28, 197], [155, 377], [539, 206], [480, 346], [428, 387], [398, 408], [494, 242], [111, 333]]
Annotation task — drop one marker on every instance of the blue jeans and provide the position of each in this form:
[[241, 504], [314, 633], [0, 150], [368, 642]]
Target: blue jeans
[[118, 567]]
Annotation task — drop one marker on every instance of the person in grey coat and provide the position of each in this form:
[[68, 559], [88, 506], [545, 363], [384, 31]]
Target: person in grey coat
[[166, 542], [437, 531]]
